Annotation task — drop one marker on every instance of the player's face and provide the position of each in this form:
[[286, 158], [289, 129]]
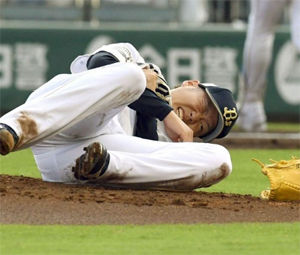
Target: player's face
[[194, 107]]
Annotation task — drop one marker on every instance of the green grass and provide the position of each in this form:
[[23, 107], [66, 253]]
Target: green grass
[[279, 127], [215, 239], [206, 239], [19, 163], [287, 127]]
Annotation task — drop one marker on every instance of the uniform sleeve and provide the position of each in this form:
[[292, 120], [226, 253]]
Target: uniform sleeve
[[151, 105], [148, 104], [123, 52]]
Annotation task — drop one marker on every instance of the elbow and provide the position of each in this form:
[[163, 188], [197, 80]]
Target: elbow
[[136, 81]]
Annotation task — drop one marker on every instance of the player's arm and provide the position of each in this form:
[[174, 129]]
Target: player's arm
[[154, 106], [149, 103], [176, 129], [149, 106]]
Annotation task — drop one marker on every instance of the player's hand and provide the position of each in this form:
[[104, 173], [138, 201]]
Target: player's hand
[[176, 129], [151, 78]]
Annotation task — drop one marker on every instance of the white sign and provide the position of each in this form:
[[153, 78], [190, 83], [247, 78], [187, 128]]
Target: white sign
[[5, 66], [31, 65], [211, 64], [28, 63]]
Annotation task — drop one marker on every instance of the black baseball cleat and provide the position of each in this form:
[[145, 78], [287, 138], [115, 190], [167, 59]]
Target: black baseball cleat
[[8, 139], [92, 164]]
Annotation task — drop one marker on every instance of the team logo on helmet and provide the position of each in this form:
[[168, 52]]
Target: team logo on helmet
[[229, 115]]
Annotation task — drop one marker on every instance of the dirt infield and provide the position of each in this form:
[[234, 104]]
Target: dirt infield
[[25, 200]]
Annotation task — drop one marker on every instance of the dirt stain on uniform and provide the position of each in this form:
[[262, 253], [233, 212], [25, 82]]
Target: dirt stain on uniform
[[224, 171], [110, 180], [29, 128], [187, 183]]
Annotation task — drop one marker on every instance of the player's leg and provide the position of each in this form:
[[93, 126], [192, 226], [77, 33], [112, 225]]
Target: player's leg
[[141, 163], [172, 166], [295, 22], [263, 19], [103, 91], [55, 162]]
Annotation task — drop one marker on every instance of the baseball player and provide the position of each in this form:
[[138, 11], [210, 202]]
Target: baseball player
[[264, 16], [96, 109]]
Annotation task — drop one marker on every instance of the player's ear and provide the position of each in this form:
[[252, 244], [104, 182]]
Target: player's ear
[[191, 83]]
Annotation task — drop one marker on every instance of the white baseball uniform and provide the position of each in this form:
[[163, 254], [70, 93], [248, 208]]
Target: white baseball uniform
[[263, 19], [72, 111]]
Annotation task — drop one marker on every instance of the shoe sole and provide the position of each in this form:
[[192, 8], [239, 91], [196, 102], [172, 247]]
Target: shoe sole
[[85, 164], [6, 142]]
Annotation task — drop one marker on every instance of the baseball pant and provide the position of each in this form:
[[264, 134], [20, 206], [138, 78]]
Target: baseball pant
[[72, 111]]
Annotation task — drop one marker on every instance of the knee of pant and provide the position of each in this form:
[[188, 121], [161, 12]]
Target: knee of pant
[[223, 160]]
